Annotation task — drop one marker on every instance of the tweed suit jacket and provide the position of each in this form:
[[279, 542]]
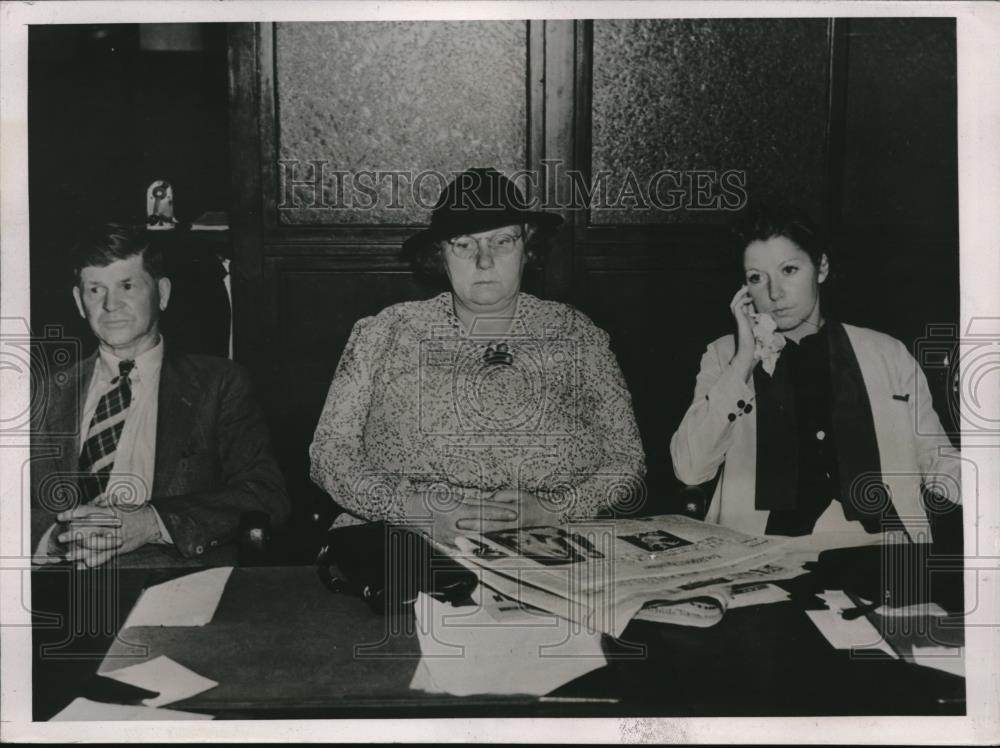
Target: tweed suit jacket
[[213, 454]]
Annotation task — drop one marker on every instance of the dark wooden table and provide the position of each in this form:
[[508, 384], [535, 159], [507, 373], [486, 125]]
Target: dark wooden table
[[282, 646]]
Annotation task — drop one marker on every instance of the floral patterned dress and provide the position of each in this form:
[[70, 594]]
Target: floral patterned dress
[[418, 404]]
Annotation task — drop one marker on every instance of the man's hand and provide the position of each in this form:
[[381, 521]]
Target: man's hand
[[97, 532], [50, 550]]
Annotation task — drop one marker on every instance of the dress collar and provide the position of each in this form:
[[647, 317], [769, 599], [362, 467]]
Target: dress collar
[[523, 314]]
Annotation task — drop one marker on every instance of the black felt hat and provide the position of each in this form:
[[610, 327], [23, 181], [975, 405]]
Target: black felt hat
[[479, 200]]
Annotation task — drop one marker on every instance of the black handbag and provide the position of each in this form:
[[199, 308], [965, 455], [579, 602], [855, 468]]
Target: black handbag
[[387, 566]]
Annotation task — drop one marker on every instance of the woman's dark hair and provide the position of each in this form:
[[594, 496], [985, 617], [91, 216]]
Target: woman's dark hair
[[763, 222], [103, 244], [427, 261]]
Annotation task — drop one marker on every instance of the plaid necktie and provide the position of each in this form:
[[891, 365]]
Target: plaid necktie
[[98, 454]]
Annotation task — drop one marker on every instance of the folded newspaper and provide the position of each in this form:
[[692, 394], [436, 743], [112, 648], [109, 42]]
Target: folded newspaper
[[602, 573]]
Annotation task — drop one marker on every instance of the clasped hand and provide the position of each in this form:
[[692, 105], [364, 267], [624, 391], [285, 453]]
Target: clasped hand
[[91, 535], [507, 508]]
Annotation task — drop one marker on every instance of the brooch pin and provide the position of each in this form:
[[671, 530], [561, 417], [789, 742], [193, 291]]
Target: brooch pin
[[498, 355]]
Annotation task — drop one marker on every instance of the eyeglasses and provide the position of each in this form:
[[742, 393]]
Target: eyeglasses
[[465, 247]]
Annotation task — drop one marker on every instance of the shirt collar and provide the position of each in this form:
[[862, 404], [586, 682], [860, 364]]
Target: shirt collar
[[815, 340], [146, 364]]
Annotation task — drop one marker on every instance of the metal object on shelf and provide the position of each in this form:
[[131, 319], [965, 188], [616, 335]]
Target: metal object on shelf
[[160, 206]]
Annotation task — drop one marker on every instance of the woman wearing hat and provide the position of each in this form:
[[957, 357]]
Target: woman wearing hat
[[484, 407], [820, 428]]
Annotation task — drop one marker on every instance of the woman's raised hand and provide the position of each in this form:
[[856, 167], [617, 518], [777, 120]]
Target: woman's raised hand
[[742, 307]]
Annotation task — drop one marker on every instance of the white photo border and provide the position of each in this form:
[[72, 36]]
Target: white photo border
[[978, 38]]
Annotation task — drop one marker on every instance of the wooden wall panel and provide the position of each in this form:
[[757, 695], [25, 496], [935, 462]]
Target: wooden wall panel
[[901, 124], [314, 302], [660, 318]]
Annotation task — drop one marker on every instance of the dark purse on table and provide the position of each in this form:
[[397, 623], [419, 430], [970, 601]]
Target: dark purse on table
[[387, 566]]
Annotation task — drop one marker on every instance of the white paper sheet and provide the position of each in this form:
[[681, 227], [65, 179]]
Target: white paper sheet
[[497, 647], [757, 595], [170, 678], [187, 601], [842, 633], [423, 680], [949, 659], [85, 710], [709, 610]]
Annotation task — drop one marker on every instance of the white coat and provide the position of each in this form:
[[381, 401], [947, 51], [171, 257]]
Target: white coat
[[913, 447]]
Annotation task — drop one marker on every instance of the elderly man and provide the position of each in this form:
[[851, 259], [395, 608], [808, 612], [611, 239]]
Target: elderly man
[[143, 450]]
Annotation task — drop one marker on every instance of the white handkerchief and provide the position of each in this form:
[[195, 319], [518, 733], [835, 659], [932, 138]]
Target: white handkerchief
[[85, 710], [187, 601], [170, 678]]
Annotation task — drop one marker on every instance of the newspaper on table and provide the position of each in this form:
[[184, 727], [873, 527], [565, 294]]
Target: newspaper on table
[[709, 608], [600, 574]]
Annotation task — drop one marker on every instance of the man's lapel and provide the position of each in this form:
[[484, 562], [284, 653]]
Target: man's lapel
[[176, 404], [55, 443], [64, 423]]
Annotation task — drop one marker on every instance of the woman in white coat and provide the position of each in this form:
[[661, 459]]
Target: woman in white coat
[[818, 427]]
